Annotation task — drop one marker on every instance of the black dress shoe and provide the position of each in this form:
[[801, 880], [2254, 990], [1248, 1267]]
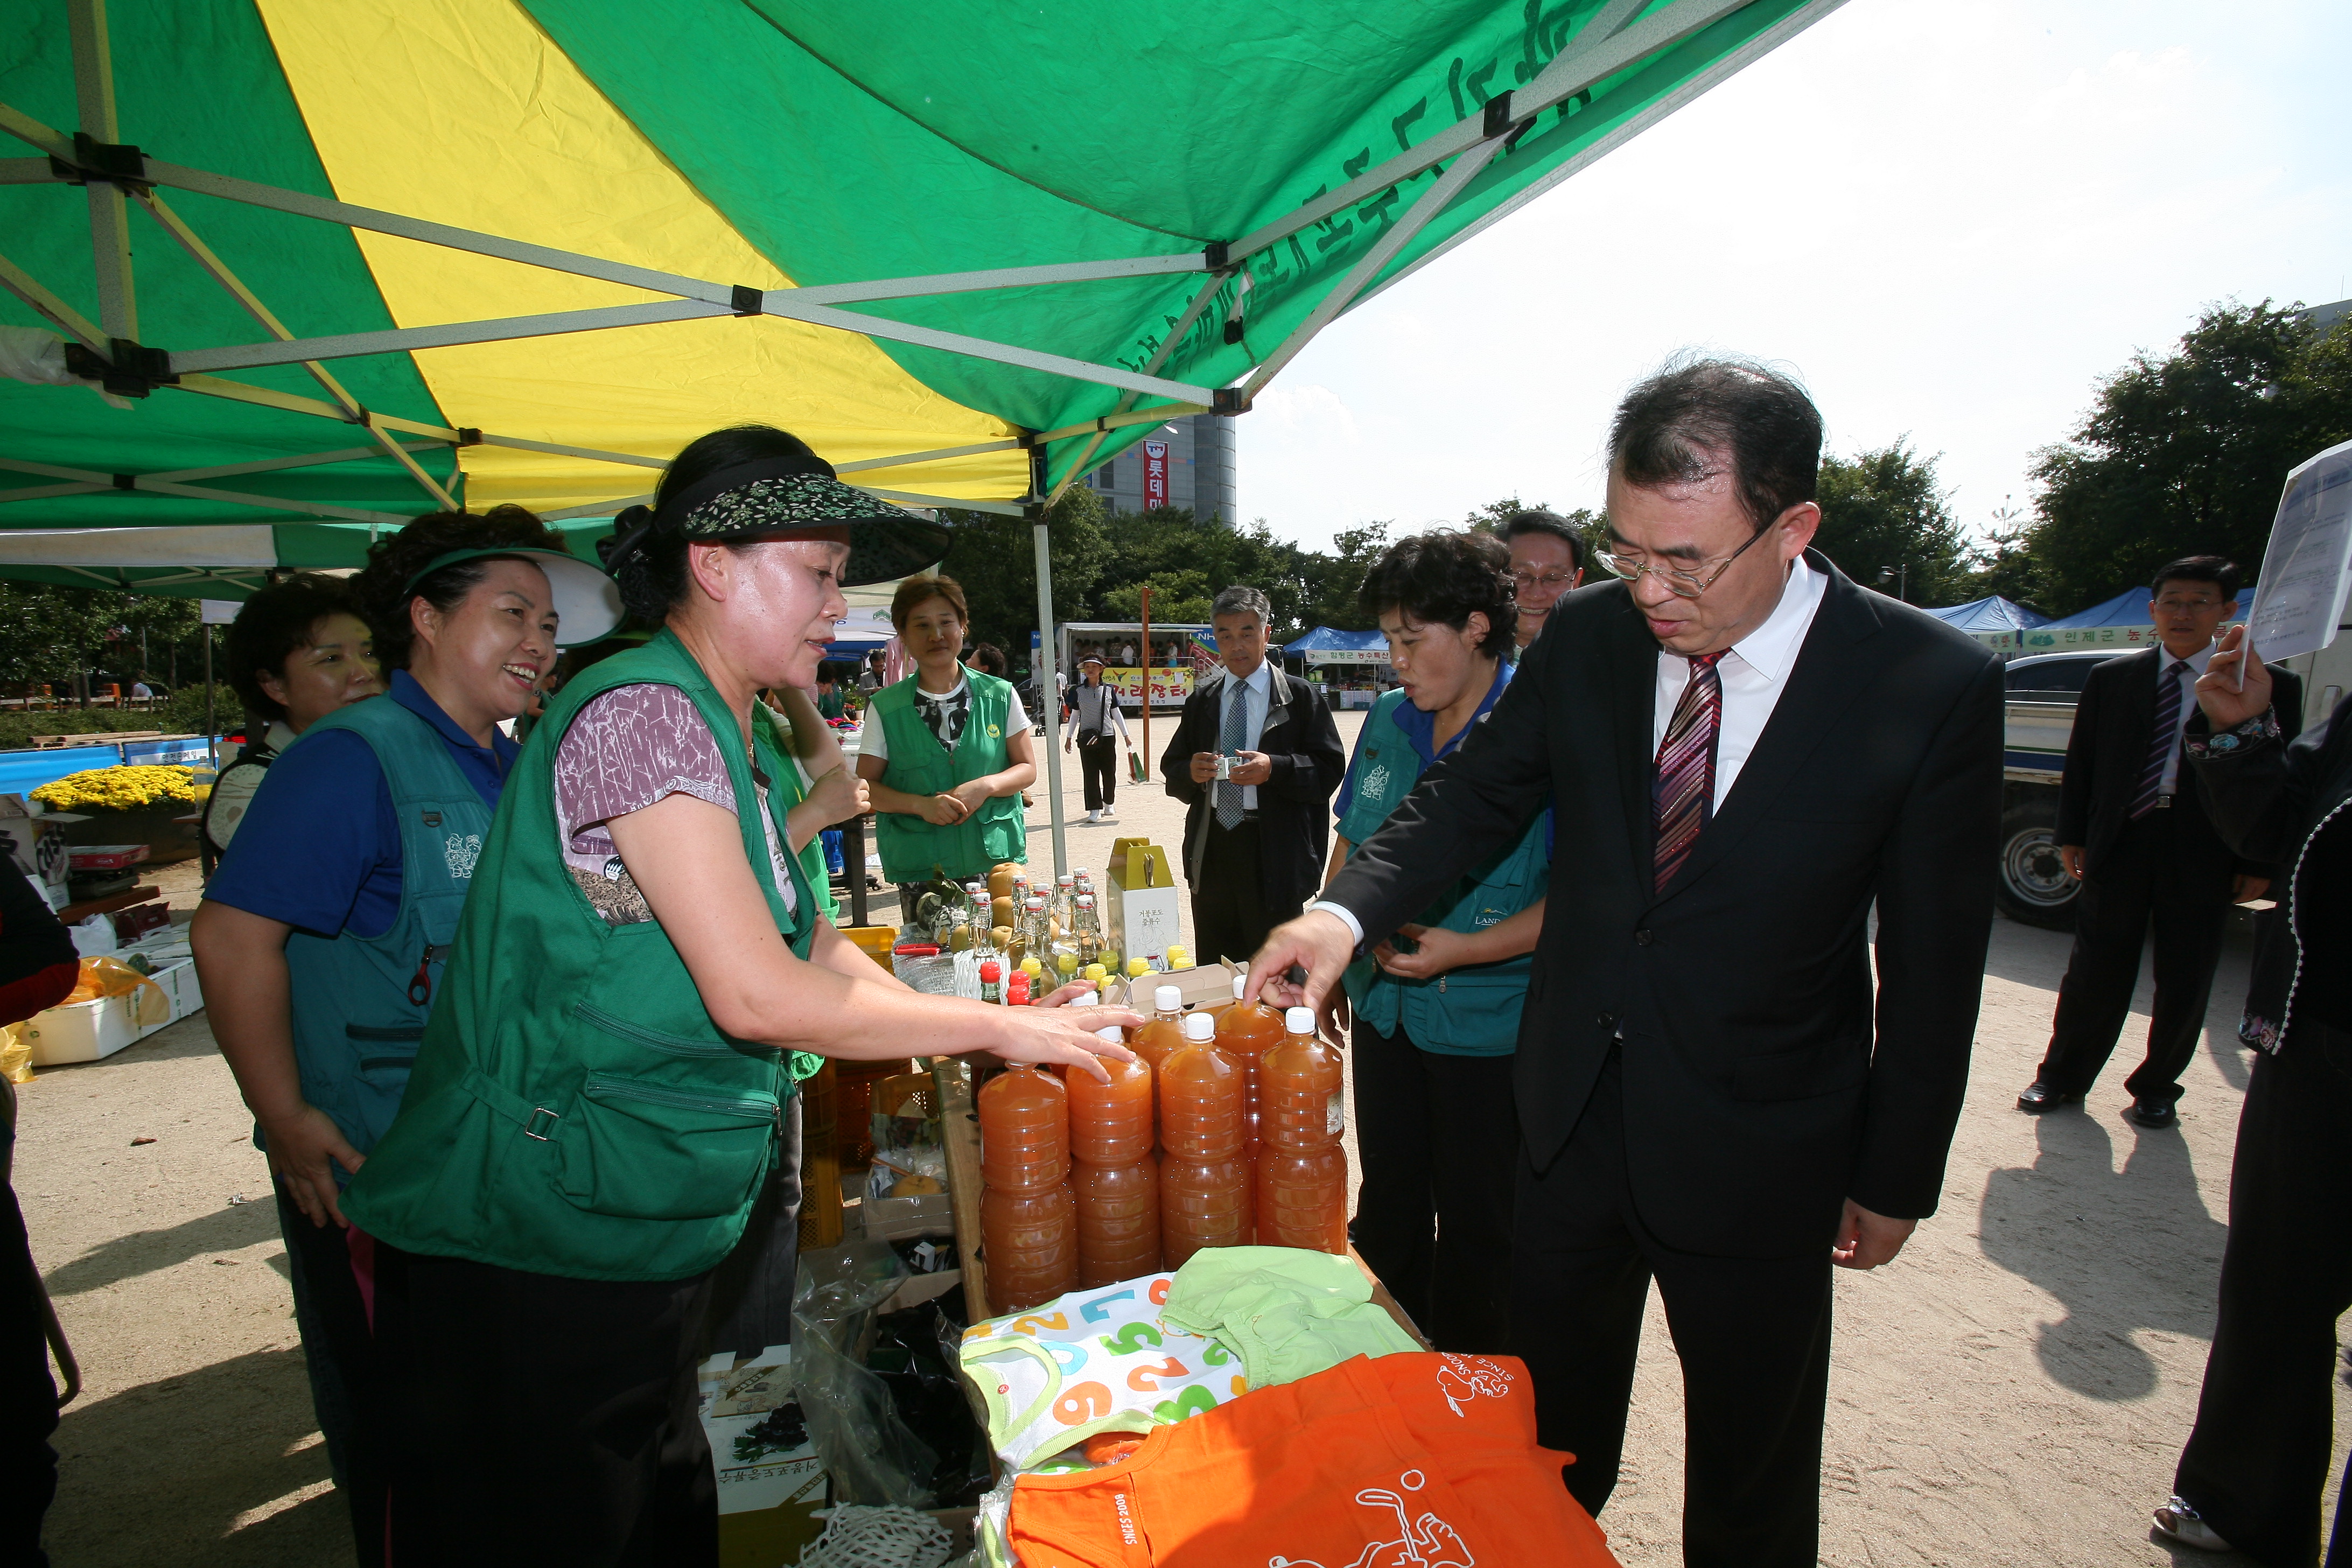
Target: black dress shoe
[[2039, 1096], [2154, 1114]]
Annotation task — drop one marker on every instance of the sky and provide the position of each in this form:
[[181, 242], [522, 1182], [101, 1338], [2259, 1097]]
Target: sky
[[1948, 220]]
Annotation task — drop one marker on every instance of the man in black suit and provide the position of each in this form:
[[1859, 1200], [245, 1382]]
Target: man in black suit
[[2138, 838], [1254, 841], [1745, 750]]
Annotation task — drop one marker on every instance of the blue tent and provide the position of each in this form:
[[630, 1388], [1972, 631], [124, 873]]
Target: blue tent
[[1328, 640], [1993, 614], [2129, 608]]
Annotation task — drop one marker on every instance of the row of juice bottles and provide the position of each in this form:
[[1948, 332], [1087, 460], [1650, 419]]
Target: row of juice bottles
[[1223, 1131]]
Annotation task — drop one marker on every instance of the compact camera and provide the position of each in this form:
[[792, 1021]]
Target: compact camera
[[1224, 769]]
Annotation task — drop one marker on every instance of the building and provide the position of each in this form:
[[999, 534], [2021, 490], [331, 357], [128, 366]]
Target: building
[[1204, 469]]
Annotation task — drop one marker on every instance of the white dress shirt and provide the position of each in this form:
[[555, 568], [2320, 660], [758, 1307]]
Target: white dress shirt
[[1753, 675], [1254, 690], [2196, 662]]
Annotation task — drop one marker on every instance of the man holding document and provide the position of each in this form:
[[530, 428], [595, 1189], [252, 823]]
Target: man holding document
[[1745, 750]]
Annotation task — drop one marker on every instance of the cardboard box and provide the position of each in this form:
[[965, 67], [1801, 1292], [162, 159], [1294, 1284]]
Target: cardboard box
[[894, 1219], [1208, 983], [1142, 907], [93, 1030], [36, 841], [771, 1482]]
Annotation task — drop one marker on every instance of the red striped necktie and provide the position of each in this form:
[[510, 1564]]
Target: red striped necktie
[[1682, 789]]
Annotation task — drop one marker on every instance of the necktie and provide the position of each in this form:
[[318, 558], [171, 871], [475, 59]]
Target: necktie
[[1234, 738], [2161, 744], [1683, 789]]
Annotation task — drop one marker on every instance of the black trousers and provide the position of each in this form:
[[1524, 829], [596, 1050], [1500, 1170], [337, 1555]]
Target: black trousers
[[28, 1395], [1230, 914], [2256, 1461], [539, 1420], [752, 1291], [2112, 916], [1437, 1142], [1099, 765], [1753, 1335], [339, 1353]]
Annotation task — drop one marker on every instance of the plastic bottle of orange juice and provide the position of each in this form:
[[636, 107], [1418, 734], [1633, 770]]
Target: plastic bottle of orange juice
[[1248, 1028], [1164, 1033], [1029, 1239], [1302, 1170], [1204, 1180], [1024, 1129]]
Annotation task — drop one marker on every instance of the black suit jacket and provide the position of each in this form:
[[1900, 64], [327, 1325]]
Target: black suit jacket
[[1294, 806], [1763, 1082], [2113, 724]]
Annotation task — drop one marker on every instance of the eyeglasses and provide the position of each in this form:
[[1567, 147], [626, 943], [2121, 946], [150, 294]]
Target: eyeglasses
[[1680, 582], [1555, 580]]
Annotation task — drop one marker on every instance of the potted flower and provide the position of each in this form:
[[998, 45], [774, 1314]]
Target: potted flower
[[152, 806]]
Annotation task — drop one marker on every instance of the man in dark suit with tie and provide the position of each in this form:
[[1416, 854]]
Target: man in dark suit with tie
[[1254, 840], [2138, 838], [1745, 751]]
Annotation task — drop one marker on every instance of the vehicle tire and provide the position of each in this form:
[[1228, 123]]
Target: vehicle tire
[[2033, 887]]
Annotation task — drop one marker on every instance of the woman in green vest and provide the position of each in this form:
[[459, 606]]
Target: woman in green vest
[[321, 937], [595, 1105], [946, 751], [1437, 1004]]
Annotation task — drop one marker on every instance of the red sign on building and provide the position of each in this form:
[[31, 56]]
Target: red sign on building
[[1155, 474]]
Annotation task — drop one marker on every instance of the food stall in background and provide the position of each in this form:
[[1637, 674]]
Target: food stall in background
[[1351, 668], [1181, 653]]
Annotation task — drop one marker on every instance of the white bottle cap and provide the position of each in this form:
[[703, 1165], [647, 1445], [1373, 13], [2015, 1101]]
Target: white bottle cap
[[1300, 1020], [1168, 998], [1241, 986], [1199, 1026], [1112, 1034]]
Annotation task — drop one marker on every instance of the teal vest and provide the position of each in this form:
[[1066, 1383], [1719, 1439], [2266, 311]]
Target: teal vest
[[784, 792], [1468, 1012], [914, 850], [360, 1004], [573, 1111]]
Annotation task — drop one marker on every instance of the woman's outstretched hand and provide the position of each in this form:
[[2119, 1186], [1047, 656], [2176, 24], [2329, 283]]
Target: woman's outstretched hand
[[1047, 1034]]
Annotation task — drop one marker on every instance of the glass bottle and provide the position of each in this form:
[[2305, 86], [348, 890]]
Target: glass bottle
[[1086, 931]]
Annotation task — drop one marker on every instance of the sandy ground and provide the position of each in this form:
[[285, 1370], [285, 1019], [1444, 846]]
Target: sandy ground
[[2013, 1390]]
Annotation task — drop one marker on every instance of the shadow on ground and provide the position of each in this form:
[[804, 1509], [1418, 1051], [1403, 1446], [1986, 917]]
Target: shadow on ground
[[2123, 1250], [191, 1455], [225, 1229]]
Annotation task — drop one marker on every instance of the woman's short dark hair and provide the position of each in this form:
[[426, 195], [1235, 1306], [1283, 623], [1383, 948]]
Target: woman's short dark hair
[[653, 579], [915, 591], [1442, 577], [1537, 521], [277, 622], [381, 585], [988, 659], [1683, 424]]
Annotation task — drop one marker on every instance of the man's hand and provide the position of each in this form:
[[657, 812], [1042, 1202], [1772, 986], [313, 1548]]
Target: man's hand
[[1204, 767], [2245, 890], [2070, 856], [1252, 767], [1435, 951], [304, 1148], [1318, 940], [2225, 706], [943, 810], [1865, 1240]]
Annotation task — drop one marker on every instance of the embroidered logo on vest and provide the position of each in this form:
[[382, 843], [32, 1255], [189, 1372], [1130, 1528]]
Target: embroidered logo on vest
[[461, 851], [1376, 782]]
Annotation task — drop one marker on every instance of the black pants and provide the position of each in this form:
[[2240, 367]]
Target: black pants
[[28, 1395], [752, 1291], [1437, 1140], [2112, 916], [2257, 1460], [339, 1352], [1230, 913], [539, 1420], [1099, 765], [1753, 1335]]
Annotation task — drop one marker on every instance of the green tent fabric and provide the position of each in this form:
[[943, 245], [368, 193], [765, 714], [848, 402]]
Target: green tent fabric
[[750, 153]]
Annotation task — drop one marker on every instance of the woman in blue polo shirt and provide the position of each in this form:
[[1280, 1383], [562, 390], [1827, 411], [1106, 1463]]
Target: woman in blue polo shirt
[[322, 936], [1437, 1004]]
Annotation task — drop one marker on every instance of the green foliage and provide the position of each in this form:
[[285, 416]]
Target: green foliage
[[49, 633], [2182, 453], [1888, 524], [995, 560]]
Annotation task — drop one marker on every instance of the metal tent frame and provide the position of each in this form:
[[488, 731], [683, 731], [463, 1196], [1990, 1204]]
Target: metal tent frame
[[112, 352]]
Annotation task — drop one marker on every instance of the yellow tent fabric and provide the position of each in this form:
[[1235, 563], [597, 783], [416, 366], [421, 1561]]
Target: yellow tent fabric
[[481, 91]]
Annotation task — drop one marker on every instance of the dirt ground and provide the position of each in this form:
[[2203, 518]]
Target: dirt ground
[[2013, 1390]]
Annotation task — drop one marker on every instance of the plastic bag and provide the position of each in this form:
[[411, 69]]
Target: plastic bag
[[104, 976], [16, 1055], [915, 1352], [872, 1455]]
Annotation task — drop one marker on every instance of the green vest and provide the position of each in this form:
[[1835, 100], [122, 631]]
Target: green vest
[[360, 1003], [573, 1111], [784, 792], [914, 850], [1468, 1012]]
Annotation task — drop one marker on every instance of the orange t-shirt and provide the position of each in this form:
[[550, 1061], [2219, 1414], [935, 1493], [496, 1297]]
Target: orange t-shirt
[[1415, 1460]]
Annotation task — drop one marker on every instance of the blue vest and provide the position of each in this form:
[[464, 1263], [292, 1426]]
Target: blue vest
[[360, 1003], [1468, 1012]]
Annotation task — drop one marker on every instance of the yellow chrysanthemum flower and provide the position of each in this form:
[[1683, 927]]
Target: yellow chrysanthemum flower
[[118, 789]]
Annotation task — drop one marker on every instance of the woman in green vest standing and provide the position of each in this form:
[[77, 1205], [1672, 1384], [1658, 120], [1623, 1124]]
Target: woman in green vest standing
[[321, 937], [947, 751], [1437, 1004], [594, 1108]]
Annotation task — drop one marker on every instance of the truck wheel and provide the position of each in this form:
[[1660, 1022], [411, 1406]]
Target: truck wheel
[[2035, 886]]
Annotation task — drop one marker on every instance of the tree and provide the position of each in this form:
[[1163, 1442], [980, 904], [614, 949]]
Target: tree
[[1888, 524], [994, 558], [2185, 454], [49, 635]]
